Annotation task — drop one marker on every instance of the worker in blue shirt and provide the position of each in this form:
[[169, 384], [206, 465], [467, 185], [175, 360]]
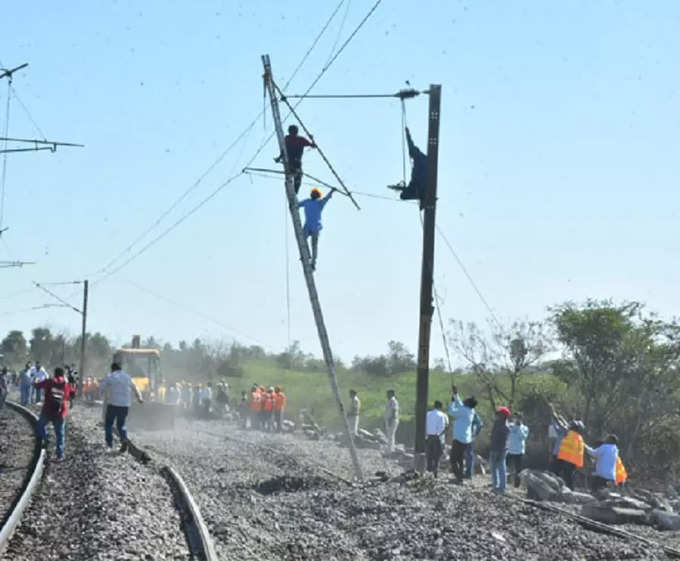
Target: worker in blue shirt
[[313, 208], [466, 426]]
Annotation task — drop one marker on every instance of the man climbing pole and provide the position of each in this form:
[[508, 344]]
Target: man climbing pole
[[313, 208], [416, 187], [295, 146]]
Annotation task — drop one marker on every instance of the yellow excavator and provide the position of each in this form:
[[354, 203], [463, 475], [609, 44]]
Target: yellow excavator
[[144, 367]]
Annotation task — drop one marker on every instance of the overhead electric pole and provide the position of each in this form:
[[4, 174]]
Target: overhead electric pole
[[306, 264], [83, 334], [428, 205]]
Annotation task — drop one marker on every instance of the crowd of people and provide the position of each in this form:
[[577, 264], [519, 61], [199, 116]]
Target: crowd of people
[[262, 408]]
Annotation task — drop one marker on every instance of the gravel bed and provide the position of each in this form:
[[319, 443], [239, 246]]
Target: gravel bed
[[17, 443], [95, 506], [265, 497]]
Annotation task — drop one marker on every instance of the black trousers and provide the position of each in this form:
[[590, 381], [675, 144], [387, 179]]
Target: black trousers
[[565, 470], [433, 453], [514, 462], [457, 455]]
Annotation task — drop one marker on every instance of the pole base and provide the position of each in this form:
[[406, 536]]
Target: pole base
[[419, 463]]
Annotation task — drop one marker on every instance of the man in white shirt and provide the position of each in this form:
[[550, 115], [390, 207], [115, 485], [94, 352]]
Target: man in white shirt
[[118, 388], [436, 422], [391, 418], [38, 374]]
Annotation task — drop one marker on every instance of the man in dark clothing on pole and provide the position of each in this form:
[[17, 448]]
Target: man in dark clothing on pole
[[58, 392], [416, 187], [295, 146]]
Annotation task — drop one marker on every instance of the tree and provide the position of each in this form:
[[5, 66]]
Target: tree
[[14, 348], [41, 344], [501, 353], [399, 359], [625, 364], [292, 358]]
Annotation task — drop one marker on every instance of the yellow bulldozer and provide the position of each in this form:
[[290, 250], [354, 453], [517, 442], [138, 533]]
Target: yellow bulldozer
[[144, 367]]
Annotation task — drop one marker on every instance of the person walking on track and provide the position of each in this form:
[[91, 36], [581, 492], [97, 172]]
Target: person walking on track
[[118, 386], [58, 392]]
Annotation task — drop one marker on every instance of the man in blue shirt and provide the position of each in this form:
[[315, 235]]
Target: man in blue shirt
[[466, 427], [313, 208]]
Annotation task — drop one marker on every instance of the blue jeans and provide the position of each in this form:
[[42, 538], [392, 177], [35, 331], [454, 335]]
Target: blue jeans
[[59, 431], [498, 473], [117, 414], [469, 459], [25, 394], [37, 394]]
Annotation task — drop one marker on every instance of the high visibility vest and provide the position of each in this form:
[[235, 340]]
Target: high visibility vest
[[279, 401], [571, 449], [268, 402], [621, 473], [255, 401]]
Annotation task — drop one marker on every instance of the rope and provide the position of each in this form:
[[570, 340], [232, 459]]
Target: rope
[[469, 277], [318, 148], [3, 179], [285, 235], [28, 113]]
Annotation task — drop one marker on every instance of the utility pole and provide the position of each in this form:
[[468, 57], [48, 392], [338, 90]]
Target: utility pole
[[306, 266], [83, 334], [428, 205]]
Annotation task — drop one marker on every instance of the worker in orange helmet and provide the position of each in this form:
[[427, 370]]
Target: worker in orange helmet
[[254, 405], [268, 408], [279, 406], [570, 453], [312, 228]]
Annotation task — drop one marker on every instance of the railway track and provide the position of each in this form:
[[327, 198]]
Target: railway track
[[31, 479], [196, 531]]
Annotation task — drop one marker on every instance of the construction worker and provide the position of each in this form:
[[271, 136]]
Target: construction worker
[[391, 418], [295, 146], [499, 449], [261, 412], [569, 456], [279, 406], [25, 384], [621, 473], [606, 456], [268, 409], [467, 425], [418, 184], [312, 228], [436, 422], [353, 413], [254, 404], [519, 433]]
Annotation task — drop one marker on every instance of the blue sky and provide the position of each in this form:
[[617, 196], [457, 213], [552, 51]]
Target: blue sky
[[558, 163]]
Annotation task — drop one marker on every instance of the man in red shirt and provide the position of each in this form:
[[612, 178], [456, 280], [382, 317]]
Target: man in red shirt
[[55, 407], [295, 146]]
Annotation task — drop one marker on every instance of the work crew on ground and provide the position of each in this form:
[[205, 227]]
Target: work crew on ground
[[295, 147], [313, 208], [254, 401], [353, 412], [517, 440], [58, 392], [391, 418], [436, 422], [499, 449], [118, 388], [466, 426], [569, 450], [268, 409], [279, 407]]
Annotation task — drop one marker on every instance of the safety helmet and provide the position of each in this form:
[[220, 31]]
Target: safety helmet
[[315, 193]]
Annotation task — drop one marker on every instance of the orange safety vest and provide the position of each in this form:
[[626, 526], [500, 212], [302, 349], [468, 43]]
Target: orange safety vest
[[621, 473], [255, 400], [279, 401], [268, 402], [571, 449]]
